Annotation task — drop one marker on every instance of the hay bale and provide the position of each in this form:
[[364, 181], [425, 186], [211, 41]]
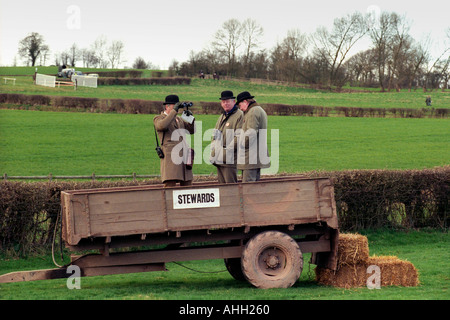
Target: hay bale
[[393, 272], [347, 276], [352, 249], [353, 262]]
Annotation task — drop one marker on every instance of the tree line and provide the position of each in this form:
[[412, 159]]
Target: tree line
[[100, 54], [393, 60]]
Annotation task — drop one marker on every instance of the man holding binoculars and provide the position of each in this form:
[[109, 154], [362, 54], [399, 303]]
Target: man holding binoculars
[[165, 124]]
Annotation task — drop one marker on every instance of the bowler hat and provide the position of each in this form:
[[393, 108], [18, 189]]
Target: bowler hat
[[225, 95], [171, 99], [244, 96]]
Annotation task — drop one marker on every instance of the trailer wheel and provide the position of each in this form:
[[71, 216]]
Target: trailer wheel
[[234, 268], [272, 259]]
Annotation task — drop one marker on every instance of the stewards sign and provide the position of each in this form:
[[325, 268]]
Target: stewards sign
[[196, 198]]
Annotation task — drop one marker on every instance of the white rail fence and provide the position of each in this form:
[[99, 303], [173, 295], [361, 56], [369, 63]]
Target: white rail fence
[[85, 81], [44, 80]]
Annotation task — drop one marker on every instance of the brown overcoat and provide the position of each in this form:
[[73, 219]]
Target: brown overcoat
[[166, 125], [253, 152], [219, 142]]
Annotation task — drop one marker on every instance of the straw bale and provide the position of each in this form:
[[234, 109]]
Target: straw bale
[[347, 276], [352, 249], [393, 271]]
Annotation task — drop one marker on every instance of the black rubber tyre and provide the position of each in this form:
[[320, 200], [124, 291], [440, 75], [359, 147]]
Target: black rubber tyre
[[234, 268], [272, 259]]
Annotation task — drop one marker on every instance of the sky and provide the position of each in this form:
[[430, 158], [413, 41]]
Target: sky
[[167, 30]]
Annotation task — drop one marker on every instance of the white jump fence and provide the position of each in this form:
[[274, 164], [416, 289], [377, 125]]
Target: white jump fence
[[45, 80], [85, 81]]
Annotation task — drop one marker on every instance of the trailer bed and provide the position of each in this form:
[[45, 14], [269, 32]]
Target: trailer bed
[[152, 209]]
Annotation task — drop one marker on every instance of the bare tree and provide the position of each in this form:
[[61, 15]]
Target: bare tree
[[227, 40], [115, 52], [31, 47], [45, 53], [73, 54], [399, 46], [335, 45], [287, 57], [89, 58], [174, 68], [361, 66], [64, 58], [99, 48], [140, 63], [382, 34], [415, 61], [251, 34], [438, 71]]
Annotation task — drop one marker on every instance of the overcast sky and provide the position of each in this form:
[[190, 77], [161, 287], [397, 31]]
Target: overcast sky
[[161, 31]]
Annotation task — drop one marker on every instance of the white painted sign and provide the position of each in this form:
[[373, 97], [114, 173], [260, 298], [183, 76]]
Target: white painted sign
[[196, 198]]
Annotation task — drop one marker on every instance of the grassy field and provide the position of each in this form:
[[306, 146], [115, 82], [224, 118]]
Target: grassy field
[[39, 143], [29, 71], [427, 250], [209, 90], [69, 143]]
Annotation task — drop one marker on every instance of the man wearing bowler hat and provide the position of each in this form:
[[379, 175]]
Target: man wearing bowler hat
[[225, 138], [252, 150], [165, 124]]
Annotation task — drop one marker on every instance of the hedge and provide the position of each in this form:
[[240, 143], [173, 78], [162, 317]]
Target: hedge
[[364, 199], [202, 107], [119, 73], [169, 81]]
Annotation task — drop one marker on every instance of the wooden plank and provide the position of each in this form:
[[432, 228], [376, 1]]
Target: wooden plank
[[79, 218], [158, 256], [279, 201], [315, 246], [124, 202], [126, 212], [33, 275], [228, 214], [47, 274], [100, 271]]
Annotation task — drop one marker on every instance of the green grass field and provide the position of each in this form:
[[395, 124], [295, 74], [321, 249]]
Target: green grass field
[[64, 143], [427, 250], [70, 143], [209, 90]]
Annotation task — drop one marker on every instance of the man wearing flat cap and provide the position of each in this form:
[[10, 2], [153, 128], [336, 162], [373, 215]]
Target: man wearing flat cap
[[252, 150], [173, 172], [225, 138]]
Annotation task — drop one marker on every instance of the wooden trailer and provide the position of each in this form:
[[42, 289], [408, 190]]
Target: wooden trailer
[[261, 229]]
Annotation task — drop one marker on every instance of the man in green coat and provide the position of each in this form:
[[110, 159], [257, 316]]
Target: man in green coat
[[173, 172], [224, 141], [253, 153]]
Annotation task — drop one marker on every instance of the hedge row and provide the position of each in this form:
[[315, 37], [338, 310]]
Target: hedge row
[[364, 199], [169, 81], [120, 73], [202, 107]]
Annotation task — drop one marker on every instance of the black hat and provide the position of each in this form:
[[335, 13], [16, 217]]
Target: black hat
[[171, 99], [244, 96], [225, 95]]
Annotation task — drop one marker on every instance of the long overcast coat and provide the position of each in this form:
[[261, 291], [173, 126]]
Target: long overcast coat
[[253, 152], [220, 144], [165, 125]]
